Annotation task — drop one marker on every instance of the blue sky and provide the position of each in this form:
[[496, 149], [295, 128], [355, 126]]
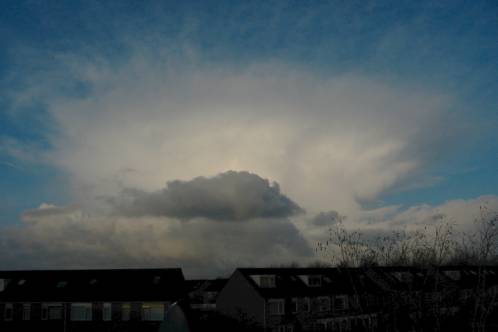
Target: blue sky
[[418, 78]]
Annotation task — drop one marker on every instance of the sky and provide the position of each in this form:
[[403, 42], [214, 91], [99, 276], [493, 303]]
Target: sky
[[217, 134]]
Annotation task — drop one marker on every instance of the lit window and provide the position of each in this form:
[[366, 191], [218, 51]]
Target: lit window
[[81, 311], [125, 311], [26, 311], [8, 311], [21, 282], [106, 312], [276, 307], [153, 311]]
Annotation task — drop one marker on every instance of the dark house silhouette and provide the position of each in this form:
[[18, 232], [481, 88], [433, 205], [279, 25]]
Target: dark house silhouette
[[88, 300], [458, 298], [302, 299]]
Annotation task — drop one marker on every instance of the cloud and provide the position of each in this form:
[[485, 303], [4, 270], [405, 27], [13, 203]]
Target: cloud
[[67, 237], [333, 141], [326, 218], [51, 211], [463, 216], [227, 196]]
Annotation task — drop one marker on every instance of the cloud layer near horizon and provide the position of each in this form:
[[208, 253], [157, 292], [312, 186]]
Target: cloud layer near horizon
[[68, 237]]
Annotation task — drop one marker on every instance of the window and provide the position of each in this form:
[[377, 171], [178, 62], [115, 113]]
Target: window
[[264, 281], [125, 311], [152, 311], [61, 284], [276, 307], [2, 285], [341, 302], [8, 311], [267, 281], [306, 304], [26, 311], [44, 312], [314, 281], [51, 311], [285, 328], [106, 312], [294, 305], [323, 303], [320, 326], [81, 311], [21, 282], [345, 325]]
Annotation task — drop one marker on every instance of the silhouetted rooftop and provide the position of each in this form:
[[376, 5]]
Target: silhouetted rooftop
[[93, 285]]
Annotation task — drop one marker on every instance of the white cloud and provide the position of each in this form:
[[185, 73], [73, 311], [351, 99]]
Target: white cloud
[[331, 142]]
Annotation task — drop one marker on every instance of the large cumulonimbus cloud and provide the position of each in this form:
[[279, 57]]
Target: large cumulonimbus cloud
[[332, 141], [228, 196]]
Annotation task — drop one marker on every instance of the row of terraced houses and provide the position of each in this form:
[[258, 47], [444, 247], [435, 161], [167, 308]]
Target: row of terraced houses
[[252, 299]]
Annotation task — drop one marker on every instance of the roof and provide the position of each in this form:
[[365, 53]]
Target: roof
[[92, 285], [216, 285], [468, 277], [408, 278], [288, 281], [196, 288]]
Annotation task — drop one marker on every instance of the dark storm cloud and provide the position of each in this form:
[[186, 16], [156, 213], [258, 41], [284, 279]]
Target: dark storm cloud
[[51, 238], [326, 218], [227, 196]]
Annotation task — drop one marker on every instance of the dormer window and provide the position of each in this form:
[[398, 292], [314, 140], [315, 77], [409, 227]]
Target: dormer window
[[264, 281], [267, 281], [312, 280]]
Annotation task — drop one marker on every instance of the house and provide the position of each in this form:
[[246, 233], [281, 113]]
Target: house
[[302, 299], [415, 298], [83, 300]]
